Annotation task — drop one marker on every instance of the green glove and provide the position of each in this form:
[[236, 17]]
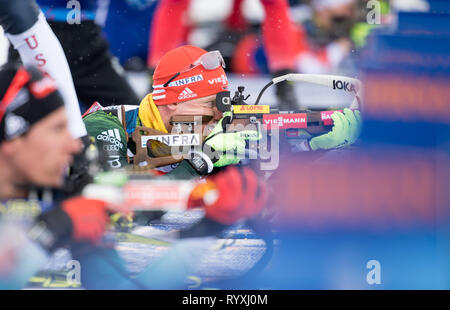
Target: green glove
[[229, 147], [346, 130]]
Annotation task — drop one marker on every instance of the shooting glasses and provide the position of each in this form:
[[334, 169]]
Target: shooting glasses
[[210, 61]]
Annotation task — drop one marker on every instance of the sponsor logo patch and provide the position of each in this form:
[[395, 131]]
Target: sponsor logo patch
[[114, 162], [111, 148], [342, 85], [247, 109], [283, 121], [187, 94], [254, 135], [222, 79], [188, 80], [112, 136], [326, 117], [173, 140]]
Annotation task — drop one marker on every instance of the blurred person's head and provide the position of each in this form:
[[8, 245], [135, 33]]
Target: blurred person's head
[[334, 16], [186, 81], [36, 146]]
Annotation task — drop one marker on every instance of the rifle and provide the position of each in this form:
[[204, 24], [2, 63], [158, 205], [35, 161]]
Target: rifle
[[294, 123]]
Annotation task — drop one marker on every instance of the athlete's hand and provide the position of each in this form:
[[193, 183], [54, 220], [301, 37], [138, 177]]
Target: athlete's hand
[[346, 130], [229, 148], [230, 195]]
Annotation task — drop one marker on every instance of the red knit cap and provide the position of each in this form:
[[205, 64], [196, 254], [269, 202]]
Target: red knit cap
[[195, 83]]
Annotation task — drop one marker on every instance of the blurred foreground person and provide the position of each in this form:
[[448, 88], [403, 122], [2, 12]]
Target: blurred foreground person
[[31, 36], [35, 150]]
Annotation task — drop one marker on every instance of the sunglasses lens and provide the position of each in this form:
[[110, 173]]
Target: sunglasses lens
[[212, 60], [209, 61]]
